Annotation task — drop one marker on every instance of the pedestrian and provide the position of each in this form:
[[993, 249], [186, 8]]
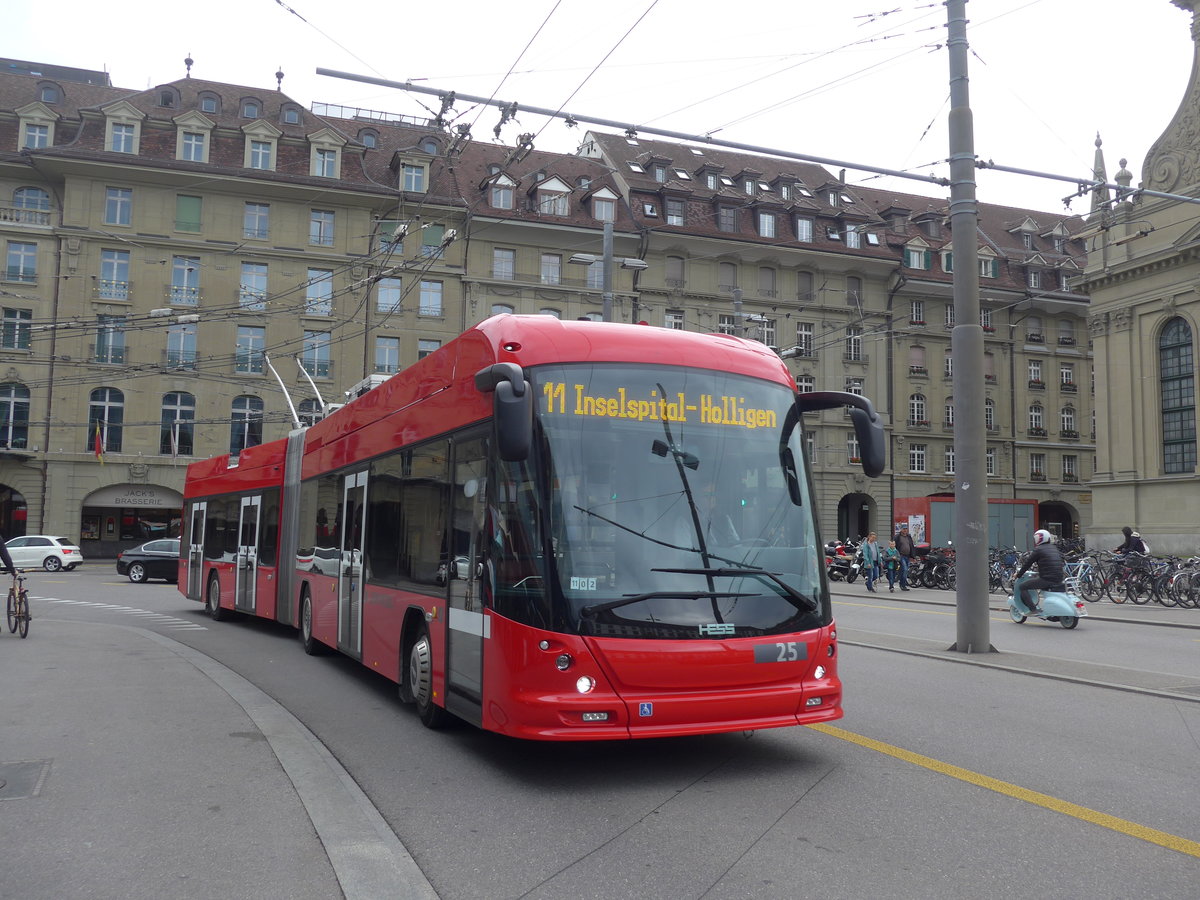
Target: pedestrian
[[907, 549], [891, 565], [871, 557]]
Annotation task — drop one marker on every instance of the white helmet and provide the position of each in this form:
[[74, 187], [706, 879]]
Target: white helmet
[[1042, 536]]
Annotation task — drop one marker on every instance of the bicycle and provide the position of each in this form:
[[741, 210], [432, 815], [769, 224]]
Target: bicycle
[[18, 605]]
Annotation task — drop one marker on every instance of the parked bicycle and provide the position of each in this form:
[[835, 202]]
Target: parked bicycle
[[18, 605]]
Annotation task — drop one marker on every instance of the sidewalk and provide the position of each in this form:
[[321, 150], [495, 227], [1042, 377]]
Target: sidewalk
[[132, 766]]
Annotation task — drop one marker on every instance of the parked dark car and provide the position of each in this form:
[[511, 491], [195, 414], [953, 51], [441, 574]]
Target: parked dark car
[[153, 559]]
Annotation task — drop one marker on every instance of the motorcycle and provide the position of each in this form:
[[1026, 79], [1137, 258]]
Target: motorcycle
[[1057, 606], [841, 563]]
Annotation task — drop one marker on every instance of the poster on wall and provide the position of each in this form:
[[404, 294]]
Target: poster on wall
[[90, 531], [916, 528]]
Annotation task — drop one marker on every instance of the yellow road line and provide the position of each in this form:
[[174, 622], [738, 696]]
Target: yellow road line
[[1103, 820]]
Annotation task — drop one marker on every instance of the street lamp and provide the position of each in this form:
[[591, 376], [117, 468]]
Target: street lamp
[[588, 259]]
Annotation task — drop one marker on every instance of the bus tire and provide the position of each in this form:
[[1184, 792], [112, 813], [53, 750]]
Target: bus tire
[[311, 645], [212, 599], [419, 677]]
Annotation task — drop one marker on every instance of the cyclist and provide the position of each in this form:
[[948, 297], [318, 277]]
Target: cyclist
[[1133, 542], [1049, 562]]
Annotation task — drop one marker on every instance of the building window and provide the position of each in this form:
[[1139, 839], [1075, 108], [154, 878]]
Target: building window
[[989, 414], [188, 213], [260, 155], [918, 413], [502, 309], [1037, 419], [950, 320], [1037, 466], [766, 224], [387, 355], [595, 275], [192, 148], [504, 264], [14, 416], [15, 329], [948, 365], [106, 416], [245, 425], [388, 295], [22, 262], [806, 384], [291, 116], [250, 109], [854, 343], [726, 324], [727, 277], [256, 221], [917, 454], [985, 319], [989, 268], [1070, 468], [1035, 371], [431, 298], [551, 268], [1177, 391], [804, 339], [314, 356], [178, 421], [854, 292], [550, 311], [727, 218], [37, 137], [916, 312], [185, 280], [949, 459], [114, 275], [123, 136], [804, 287], [674, 210], [916, 258], [110, 340], [553, 203], [35, 200], [673, 319], [991, 462], [675, 272], [252, 292], [1066, 419], [949, 413], [425, 347], [1035, 279], [502, 194], [854, 386], [118, 206], [209, 103], [804, 230], [369, 139], [325, 163], [248, 353], [603, 209], [320, 227], [181, 346], [1066, 374], [766, 282], [413, 178], [318, 293]]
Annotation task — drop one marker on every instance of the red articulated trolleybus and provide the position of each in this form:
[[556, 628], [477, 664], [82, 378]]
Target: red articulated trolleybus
[[553, 530]]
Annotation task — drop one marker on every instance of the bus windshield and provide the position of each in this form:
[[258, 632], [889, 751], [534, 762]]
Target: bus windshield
[[669, 509]]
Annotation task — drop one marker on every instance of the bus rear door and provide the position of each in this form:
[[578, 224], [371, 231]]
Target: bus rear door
[[195, 574], [468, 574], [245, 587], [350, 565]]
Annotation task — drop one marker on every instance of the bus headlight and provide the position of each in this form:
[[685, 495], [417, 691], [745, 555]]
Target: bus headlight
[[585, 684]]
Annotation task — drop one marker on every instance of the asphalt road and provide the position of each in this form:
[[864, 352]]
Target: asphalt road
[[944, 779]]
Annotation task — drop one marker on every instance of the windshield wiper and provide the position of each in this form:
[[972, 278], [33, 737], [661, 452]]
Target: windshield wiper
[[590, 611], [791, 592]]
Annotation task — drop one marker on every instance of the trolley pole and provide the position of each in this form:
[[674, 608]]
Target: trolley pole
[[966, 341]]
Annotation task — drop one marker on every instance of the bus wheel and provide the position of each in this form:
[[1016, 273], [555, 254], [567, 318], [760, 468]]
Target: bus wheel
[[213, 600], [420, 681], [311, 645]]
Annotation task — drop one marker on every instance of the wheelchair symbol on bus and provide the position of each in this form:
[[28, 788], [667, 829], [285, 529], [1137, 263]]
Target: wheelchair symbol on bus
[[645, 709]]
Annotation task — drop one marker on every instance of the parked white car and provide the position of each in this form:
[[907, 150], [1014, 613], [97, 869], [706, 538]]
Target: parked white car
[[48, 552]]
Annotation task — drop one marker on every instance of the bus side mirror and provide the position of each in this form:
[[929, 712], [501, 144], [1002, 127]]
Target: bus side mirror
[[868, 428], [512, 409]]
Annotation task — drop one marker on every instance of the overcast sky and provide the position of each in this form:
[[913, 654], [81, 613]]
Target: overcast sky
[[861, 81]]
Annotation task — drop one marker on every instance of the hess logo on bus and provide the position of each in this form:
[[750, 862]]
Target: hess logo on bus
[[715, 629]]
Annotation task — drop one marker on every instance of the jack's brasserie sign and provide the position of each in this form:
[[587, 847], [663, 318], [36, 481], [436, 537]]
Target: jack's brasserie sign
[[139, 495]]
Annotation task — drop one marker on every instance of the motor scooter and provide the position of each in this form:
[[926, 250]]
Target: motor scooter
[[1057, 606]]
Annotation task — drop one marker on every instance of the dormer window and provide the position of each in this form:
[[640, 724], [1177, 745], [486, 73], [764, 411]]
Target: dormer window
[[660, 173], [167, 98], [749, 186], [430, 146], [726, 181], [250, 109], [501, 194], [636, 167], [785, 192], [50, 93], [1027, 241], [209, 103], [835, 199], [291, 116], [553, 203], [682, 175], [412, 178], [649, 210], [584, 182], [369, 139], [710, 181]]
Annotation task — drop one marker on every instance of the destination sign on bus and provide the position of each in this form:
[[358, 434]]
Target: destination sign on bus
[[641, 406]]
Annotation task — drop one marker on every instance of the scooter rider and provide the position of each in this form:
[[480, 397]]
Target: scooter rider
[[1049, 562]]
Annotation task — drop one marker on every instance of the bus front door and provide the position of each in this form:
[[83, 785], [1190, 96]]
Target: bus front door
[[245, 588], [350, 567], [467, 582], [195, 574]]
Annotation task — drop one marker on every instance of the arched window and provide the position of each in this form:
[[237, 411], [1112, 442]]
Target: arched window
[[1066, 418], [917, 411], [245, 428], [106, 416], [1037, 418], [178, 420], [31, 198], [1177, 388], [14, 416], [369, 138], [949, 420]]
